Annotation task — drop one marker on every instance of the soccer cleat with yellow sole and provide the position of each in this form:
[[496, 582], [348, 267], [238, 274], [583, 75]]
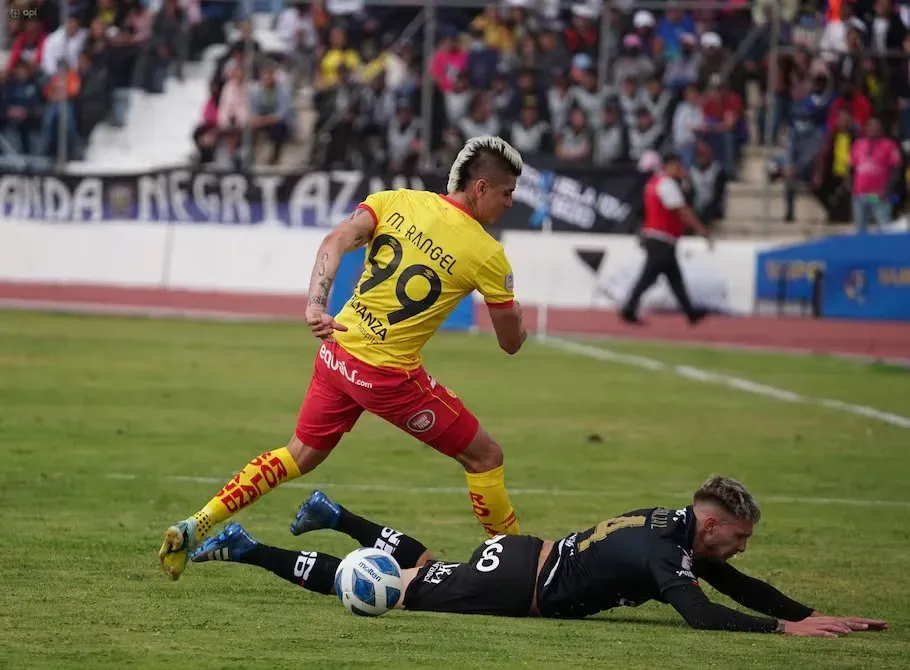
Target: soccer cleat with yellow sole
[[179, 542]]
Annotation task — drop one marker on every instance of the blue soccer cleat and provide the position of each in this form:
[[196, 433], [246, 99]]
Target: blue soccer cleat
[[231, 544], [319, 511]]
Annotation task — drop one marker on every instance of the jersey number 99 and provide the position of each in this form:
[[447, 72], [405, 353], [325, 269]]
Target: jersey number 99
[[379, 274]]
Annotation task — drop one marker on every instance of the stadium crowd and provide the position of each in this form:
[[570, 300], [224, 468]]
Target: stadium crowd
[[528, 70], [81, 63]]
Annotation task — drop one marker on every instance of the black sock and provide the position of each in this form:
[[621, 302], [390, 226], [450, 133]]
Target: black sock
[[404, 548], [310, 569]]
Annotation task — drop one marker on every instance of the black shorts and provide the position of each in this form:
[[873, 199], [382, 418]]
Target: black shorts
[[499, 579]]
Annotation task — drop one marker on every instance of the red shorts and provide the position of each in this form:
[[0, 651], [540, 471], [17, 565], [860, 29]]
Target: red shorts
[[343, 387]]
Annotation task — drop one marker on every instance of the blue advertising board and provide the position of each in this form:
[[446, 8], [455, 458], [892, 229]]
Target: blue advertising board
[[863, 276], [349, 272]]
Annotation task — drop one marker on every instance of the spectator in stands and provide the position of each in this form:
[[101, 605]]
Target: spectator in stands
[[559, 99], [849, 65], [106, 13], [483, 61], [97, 45], [858, 104], [23, 101], [714, 58], [633, 62], [480, 120], [448, 62], [583, 35], [833, 43], [658, 100], [708, 182], [502, 95], [206, 135], [28, 47], [403, 139], [552, 56], [902, 92], [684, 68], [573, 141], [233, 105], [832, 168], [340, 107], [337, 55], [93, 102], [168, 45], [64, 44], [526, 58], [60, 92], [585, 93], [530, 134], [645, 135], [376, 109], [298, 34], [611, 139], [671, 33], [644, 25], [494, 32], [528, 93], [271, 111], [886, 32], [724, 122], [875, 162], [458, 99], [630, 98], [688, 121], [129, 38], [804, 138]]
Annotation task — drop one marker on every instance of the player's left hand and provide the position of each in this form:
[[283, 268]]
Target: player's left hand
[[859, 623], [322, 324]]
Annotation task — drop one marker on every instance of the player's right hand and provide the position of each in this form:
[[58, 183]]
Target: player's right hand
[[322, 324], [818, 626]]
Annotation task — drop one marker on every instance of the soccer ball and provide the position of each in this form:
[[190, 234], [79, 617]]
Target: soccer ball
[[368, 582]]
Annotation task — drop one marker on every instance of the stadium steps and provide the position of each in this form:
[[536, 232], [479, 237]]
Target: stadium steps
[[159, 128], [757, 210]]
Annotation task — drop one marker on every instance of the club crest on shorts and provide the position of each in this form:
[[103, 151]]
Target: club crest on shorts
[[422, 421]]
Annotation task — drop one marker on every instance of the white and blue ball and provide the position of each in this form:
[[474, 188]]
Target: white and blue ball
[[368, 582]]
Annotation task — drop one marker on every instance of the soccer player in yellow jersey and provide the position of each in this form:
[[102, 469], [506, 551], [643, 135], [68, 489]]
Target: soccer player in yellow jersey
[[426, 252]]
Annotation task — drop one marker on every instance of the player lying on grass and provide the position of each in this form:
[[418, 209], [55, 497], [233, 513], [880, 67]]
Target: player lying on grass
[[427, 252], [648, 554]]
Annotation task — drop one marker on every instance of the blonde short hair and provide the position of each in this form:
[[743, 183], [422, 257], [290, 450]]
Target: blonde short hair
[[731, 496], [470, 160]]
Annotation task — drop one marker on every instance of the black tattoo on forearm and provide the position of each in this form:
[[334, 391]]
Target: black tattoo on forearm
[[320, 296]]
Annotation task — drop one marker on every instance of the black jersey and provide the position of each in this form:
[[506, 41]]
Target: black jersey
[[625, 560], [647, 555]]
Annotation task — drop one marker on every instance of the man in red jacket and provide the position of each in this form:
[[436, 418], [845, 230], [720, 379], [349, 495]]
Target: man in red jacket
[[667, 215]]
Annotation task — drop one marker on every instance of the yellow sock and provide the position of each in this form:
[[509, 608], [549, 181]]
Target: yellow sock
[[260, 476], [491, 502]]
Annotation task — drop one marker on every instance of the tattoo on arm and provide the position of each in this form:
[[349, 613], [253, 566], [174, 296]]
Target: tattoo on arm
[[321, 295]]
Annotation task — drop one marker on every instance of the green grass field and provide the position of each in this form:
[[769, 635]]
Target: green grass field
[[100, 418]]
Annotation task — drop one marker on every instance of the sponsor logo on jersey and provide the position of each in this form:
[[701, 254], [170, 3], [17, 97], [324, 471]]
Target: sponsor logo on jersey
[[422, 421], [439, 571], [686, 566], [341, 367]]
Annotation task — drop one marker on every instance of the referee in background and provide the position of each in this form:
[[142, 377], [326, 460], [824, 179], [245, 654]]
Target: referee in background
[[667, 215]]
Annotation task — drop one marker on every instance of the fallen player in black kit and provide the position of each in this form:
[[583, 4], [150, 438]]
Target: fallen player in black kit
[[648, 554]]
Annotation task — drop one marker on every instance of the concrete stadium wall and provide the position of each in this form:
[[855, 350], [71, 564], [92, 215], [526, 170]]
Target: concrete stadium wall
[[562, 270]]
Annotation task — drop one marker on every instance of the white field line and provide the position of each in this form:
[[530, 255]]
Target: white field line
[[698, 374], [555, 492], [110, 309]]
